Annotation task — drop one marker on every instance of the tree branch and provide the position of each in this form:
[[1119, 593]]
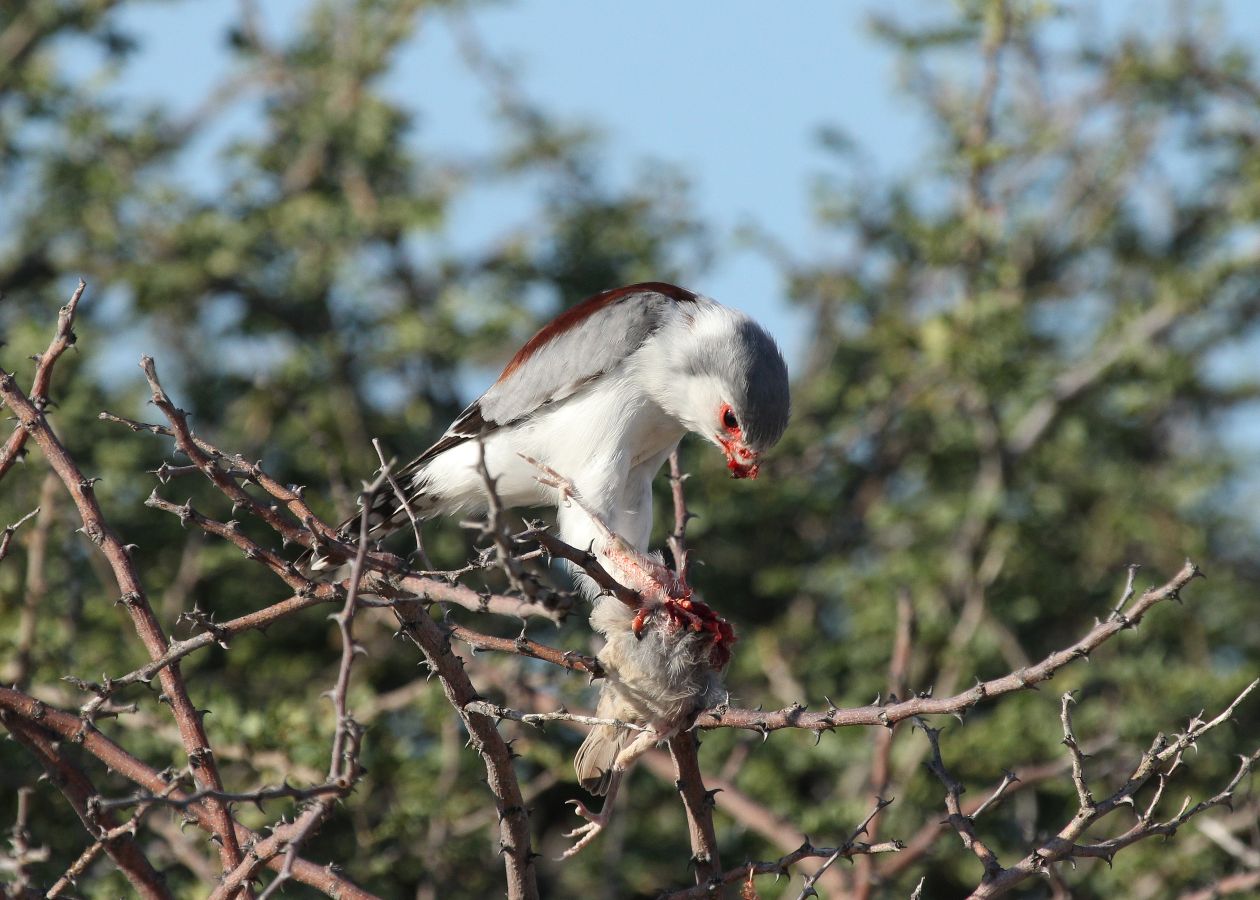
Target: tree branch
[[698, 802], [75, 730], [890, 713], [63, 338], [781, 866], [514, 839], [133, 597], [81, 794]]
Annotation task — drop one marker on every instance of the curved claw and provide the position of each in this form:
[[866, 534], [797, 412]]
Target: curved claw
[[697, 616], [595, 823]]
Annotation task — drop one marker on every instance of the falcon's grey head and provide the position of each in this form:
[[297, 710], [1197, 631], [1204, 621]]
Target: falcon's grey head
[[737, 387]]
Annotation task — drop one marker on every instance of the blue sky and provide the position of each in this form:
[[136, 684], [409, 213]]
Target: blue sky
[[733, 94], [730, 95]]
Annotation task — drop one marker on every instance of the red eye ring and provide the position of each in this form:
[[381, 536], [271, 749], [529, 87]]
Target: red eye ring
[[729, 421]]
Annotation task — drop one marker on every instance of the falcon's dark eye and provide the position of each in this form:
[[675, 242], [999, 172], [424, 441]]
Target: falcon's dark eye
[[729, 420]]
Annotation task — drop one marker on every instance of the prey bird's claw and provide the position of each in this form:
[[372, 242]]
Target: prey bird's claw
[[595, 823]]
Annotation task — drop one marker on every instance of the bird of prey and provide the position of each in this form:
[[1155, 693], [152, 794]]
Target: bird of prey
[[599, 398]]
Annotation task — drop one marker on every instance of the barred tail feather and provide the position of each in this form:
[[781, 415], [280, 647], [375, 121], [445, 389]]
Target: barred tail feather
[[595, 757]]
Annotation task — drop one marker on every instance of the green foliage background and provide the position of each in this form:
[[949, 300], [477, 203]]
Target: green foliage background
[[1014, 387]]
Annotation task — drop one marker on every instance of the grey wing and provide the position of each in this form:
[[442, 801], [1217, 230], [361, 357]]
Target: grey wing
[[578, 347]]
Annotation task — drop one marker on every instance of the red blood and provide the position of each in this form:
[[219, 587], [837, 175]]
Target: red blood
[[640, 620]]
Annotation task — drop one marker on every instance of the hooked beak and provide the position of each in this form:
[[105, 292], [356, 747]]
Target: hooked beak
[[742, 462]]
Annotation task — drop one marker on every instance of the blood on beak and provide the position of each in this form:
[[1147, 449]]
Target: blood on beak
[[742, 462]]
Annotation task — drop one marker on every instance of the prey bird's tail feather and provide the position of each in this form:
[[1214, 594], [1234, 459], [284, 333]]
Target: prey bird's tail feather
[[594, 760]]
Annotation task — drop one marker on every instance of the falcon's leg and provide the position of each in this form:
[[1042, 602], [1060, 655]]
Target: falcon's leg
[[667, 599], [629, 565], [595, 822], [664, 593]]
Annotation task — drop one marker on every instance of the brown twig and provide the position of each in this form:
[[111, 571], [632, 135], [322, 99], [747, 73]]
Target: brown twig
[[343, 767], [266, 852], [133, 598], [6, 536], [23, 854], [514, 838], [407, 587], [75, 730], [63, 338], [779, 867], [921, 843], [881, 752], [890, 713], [684, 747], [206, 458], [808, 889], [389, 575], [257, 797], [750, 814], [539, 720], [568, 494], [957, 819], [79, 791], [698, 803], [588, 562], [403, 501], [506, 554], [678, 537], [522, 646], [1065, 845], [219, 633], [71, 876], [1078, 757]]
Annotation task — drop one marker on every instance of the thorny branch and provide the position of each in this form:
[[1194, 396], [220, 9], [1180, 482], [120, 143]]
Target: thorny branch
[[684, 747], [343, 767], [958, 820], [922, 842], [63, 339], [889, 714], [514, 837], [6, 536], [540, 720], [23, 855], [881, 754], [808, 889], [80, 793], [678, 537], [782, 866], [380, 579], [507, 555], [74, 730], [134, 599], [77, 868], [1067, 844], [388, 572]]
